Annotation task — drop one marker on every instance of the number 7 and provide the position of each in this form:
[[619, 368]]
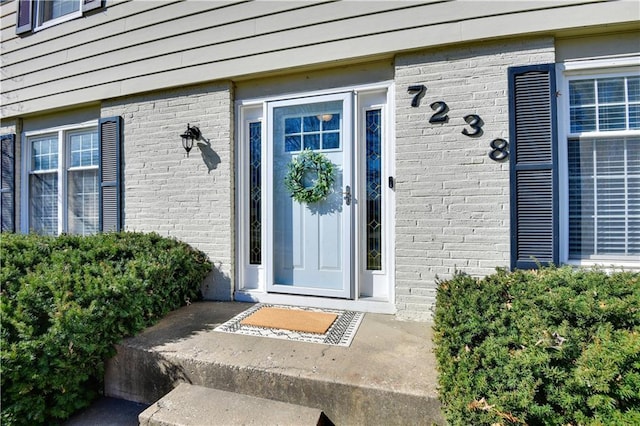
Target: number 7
[[419, 90]]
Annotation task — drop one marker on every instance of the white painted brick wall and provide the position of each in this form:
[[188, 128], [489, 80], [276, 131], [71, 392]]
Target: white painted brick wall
[[452, 200], [190, 199]]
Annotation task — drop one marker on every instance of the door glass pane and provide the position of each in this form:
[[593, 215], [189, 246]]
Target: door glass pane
[[312, 142], [311, 123], [374, 190], [331, 140], [310, 130], [255, 193], [292, 143]]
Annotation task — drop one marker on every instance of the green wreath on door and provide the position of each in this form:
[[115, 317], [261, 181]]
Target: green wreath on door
[[305, 163]]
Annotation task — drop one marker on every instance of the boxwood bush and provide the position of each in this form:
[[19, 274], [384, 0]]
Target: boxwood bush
[[66, 300], [555, 346]]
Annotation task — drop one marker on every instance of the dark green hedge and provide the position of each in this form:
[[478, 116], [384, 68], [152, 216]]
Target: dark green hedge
[[66, 300], [555, 346]]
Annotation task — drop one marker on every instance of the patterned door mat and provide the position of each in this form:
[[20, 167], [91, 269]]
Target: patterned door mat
[[340, 333]]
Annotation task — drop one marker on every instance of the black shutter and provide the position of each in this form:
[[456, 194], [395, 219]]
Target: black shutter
[[533, 166], [88, 5], [110, 136], [24, 21], [7, 183]]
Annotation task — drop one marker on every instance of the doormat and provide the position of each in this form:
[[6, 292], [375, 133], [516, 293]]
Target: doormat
[[339, 333], [290, 319]]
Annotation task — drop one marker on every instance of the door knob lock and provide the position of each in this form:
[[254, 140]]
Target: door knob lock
[[347, 195]]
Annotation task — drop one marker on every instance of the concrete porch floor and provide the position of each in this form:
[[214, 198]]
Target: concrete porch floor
[[387, 375]]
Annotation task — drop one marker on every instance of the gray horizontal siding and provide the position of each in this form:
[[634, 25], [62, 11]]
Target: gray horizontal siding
[[136, 46], [188, 37]]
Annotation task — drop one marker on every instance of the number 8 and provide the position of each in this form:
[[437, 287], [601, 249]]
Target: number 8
[[500, 149]]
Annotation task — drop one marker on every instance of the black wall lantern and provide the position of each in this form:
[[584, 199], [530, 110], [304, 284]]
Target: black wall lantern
[[192, 133]]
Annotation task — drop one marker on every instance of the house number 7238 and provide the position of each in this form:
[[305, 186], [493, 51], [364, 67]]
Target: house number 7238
[[499, 147]]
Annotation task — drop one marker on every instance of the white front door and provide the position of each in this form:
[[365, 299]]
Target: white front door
[[310, 245]]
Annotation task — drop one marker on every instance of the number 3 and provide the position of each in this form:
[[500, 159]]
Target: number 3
[[475, 122]]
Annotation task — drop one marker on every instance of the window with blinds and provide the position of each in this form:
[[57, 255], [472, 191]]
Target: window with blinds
[[73, 180], [68, 205], [603, 153]]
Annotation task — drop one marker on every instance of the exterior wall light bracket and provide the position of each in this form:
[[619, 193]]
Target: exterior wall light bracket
[[192, 133]]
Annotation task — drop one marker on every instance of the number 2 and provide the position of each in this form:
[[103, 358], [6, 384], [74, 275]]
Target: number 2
[[441, 109]]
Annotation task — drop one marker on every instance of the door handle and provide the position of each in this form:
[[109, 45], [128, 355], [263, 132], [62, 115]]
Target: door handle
[[347, 195]]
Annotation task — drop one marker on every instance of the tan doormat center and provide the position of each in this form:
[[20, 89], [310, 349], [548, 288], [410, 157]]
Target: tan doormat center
[[289, 319]]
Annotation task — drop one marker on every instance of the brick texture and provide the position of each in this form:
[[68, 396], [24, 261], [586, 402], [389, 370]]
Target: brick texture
[[452, 200], [188, 198]]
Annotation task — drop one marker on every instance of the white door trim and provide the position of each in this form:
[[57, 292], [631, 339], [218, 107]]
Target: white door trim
[[251, 280]]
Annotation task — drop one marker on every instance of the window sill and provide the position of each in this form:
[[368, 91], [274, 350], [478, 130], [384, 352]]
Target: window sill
[[606, 265]]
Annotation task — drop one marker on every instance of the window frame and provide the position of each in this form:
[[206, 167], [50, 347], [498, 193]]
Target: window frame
[[31, 11], [69, 169], [586, 70], [63, 134], [51, 171], [37, 9]]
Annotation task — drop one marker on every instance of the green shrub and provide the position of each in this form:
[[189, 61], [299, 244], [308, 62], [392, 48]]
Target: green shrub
[[67, 300], [555, 346]]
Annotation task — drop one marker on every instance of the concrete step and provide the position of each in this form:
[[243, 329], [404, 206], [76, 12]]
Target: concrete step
[[387, 376], [189, 405]]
